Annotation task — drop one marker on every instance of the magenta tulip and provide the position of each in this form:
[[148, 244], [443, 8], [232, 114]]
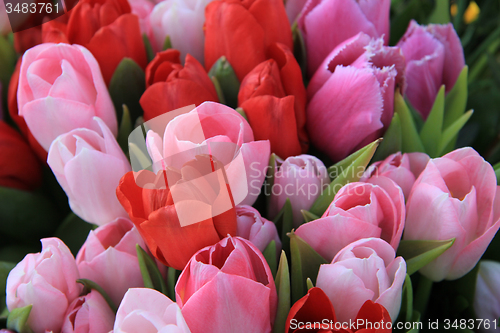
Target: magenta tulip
[[255, 228], [456, 196]]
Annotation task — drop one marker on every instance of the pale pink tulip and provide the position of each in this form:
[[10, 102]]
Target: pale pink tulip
[[146, 310], [364, 270], [227, 287], [351, 95], [359, 210], [142, 9], [47, 281], [325, 24], [61, 88], [89, 314], [109, 258], [301, 179], [255, 228], [487, 294], [88, 165], [456, 196], [434, 56]]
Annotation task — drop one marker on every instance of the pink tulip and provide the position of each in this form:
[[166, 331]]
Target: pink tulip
[[301, 179], [434, 56], [364, 270], [146, 310], [88, 165], [359, 210], [142, 9], [89, 314], [325, 24], [61, 88], [351, 95], [487, 294], [227, 286], [403, 169], [47, 281], [293, 9], [256, 229], [109, 258], [456, 196]]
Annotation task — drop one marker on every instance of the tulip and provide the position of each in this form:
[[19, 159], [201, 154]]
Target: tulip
[[144, 308], [60, 89], [265, 96], [171, 86], [364, 270], [487, 294], [255, 228], [88, 165], [109, 258], [301, 179], [359, 210], [19, 167], [225, 286], [47, 281], [242, 31], [142, 9], [89, 314], [325, 24], [351, 95], [456, 196], [434, 56], [403, 169], [183, 22]]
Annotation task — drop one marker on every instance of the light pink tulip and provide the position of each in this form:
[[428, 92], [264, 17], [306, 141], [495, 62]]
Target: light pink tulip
[[403, 169], [325, 24], [256, 229], [146, 310], [182, 21], [487, 294], [88, 165], [364, 270], [46, 280], [456, 196], [89, 314], [61, 88], [227, 286], [142, 9], [434, 56], [359, 210], [351, 95], [301, 179], [109, 258]]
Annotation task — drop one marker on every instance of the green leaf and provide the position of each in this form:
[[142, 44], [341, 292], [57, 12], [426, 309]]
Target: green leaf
[[282, 282], [228, 81], [308, 216], [17, 319], [218, 90], [284, 222], [150, 273], [5, 268], [415, 319], [305, 264], [392, 140], [171, 280], [299, 48], [167, 44], [73, 231], [418, 253], [89, 285], [451, 132], [407, 302], [352, 173], [410, 139], [309, 283], [270, 255], [441, 13], [497, 172], [8, 59], [149, 49], [456, 99], [126, 87], [125, 129], [433, 126]]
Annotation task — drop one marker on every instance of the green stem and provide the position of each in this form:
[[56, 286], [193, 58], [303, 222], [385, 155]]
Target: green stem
[[422, 294]]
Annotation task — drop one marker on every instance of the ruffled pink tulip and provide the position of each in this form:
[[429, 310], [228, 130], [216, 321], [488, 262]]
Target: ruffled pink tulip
[[359, 210], [255, 228], [325, 24], [146, 310], [301, 179], [46, 280], [226, 286], [109, 258], [403, 169], [487, 294], [351, 95], [89, 314], [456, 196], [88, 165], [61, 88], [364, 270], [434, 56]]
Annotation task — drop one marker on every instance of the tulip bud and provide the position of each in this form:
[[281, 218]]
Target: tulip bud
[[256, 229], [225, 76]]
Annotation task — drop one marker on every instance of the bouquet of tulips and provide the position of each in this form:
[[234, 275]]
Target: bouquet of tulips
[[249, 166]]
